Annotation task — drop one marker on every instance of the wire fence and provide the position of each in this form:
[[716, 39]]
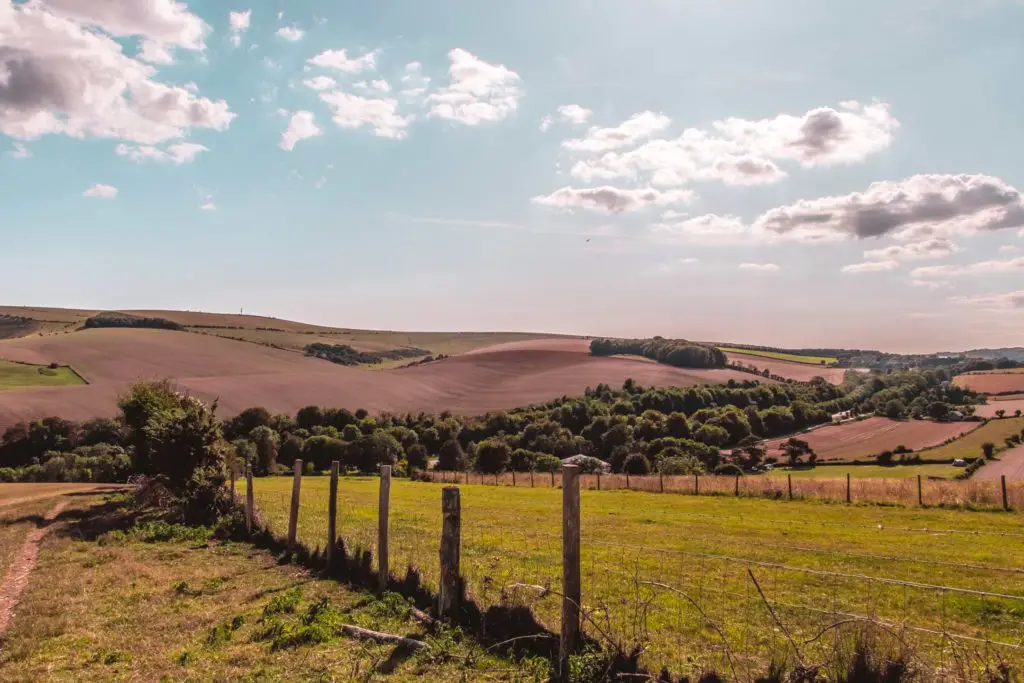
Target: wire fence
[[700, 592], [967, 493]]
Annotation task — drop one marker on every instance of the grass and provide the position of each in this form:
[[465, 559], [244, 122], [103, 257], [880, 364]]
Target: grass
[[704, 547], [779, 355], [969, 446], [871, 471], [123, 609], [15, 522], [19, 375]]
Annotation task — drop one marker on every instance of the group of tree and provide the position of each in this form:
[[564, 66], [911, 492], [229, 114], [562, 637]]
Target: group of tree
[[676, 352], [118, 319], [343, 354]]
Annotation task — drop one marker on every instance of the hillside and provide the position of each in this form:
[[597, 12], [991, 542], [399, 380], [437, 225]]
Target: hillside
[[240, 375]]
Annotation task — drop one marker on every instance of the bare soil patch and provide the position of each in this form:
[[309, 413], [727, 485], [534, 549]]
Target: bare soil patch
[[18, 573], [801, 372], [864, 439]]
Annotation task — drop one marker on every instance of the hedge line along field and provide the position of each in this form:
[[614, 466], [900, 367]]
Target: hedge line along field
[[800, 372], [779, 355], [870, 471], [969, 446], [815, 563]]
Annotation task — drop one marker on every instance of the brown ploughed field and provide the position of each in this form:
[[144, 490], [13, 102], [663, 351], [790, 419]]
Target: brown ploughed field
[[802, 372], [864, 439], [992, 382], [990, 408], [241, 375]]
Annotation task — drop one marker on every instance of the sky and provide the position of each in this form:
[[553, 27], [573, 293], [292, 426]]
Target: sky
[[801, 173]]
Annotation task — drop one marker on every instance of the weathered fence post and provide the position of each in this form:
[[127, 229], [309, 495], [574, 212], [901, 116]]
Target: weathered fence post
[[848, 498], [495, 478], [661, 482], [789, 481], [737, 485], [552, 480], [920, 493], [513, 478], [248, 499], [382, 525], [627, 480], [571, 588], [332, 514], [1006, 501], [531, 479], [599, 480], [293, 512], [451, 534], [696, 484]]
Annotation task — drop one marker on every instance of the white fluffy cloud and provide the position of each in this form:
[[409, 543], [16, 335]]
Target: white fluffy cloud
[[340, 61], [925, 249], [62, 76], [736, 151], [320, 83], [760, 267], [477, 91], [240, 22], [208, 206], [414, 83], [101, 191], [353, 111], [707, 228], [632, 130], [301, 126], [20, 151], [568, 113], [178, 153], [1008, 301], [292, 34], [870, 266], [612, 199]]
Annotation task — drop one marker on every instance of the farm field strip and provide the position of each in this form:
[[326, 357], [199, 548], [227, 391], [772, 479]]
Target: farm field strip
[[778, 355], [969, 445], [631, 536], [19, 375], [869, 471]]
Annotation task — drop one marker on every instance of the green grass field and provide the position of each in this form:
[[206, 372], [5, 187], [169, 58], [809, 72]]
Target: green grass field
[[19, 375], [779, 355], [969, 446], [871, 471], [704, 547]]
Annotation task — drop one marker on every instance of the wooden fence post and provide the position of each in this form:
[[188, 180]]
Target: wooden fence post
[[661, 483], [627, 480], [571, 588], [293, 512], [696, 484], [737, 485], [248, 499], [382, 525], [531, 479], [513, 478], [1002, 483], [552, 480], [920, 494], [599, 480], [451, 534], [332, 514], [848, 498], [789, 480]]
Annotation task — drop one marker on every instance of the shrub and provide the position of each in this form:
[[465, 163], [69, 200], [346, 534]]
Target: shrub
[[323, 450], [417, 457], [637, 463], [379, 448], [728, 469], [451, 457], [547, 463], [265, 441], [884, 458], [988, 449], [493, 456], [523, 460], [678, 465]]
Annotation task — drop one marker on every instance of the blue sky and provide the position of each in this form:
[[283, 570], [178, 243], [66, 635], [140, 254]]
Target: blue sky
[[801, 173]]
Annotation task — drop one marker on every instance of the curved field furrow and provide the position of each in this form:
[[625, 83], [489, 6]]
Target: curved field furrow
[[801, 372], [865, 439], [240, 375]]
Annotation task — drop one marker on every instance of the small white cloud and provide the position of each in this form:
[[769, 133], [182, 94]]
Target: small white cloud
[[101, 192], [925, 249], [20, 151], [1009, 248], [997, 302], [340, 61], [155, 53], [320, 83], [870, 266], [291, 33], [380, 85], [928, 272], [208, 206], [613, 199], [240, 22], [178, 153], [302, 126], [931, 285], [320, 183], [414, 83], [477, 91], [545, 124], [635, 128], [353, 111], [760, 267]]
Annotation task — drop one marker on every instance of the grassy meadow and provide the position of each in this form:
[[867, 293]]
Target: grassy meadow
[[815, 562], [969, 446], [18, 375], [779, 355], [870, 471]]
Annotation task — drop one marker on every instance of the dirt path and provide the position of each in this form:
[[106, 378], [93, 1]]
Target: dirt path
[[1010, 463], [20, 570], [58, 492]]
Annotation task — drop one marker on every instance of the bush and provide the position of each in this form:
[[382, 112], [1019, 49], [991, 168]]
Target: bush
[[523, 460], [547, 463], [323, 450], [493, 456], [988, 449], [451, 457], [637, 464], [679, 465], [728, 470], [884, 458], [416, 455]]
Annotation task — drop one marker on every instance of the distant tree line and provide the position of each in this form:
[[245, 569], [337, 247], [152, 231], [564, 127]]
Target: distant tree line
[[676, 352], [117, 319], [343, 354]]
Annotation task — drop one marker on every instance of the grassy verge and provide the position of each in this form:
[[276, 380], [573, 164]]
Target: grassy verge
[[18, 375], [123, 607], [15, 522], [871, 471], [814, 561], [779, 355], [969, 445]]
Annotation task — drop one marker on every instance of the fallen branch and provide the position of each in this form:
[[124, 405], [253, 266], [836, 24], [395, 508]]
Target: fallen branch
[[379, 637], [422, 617]]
